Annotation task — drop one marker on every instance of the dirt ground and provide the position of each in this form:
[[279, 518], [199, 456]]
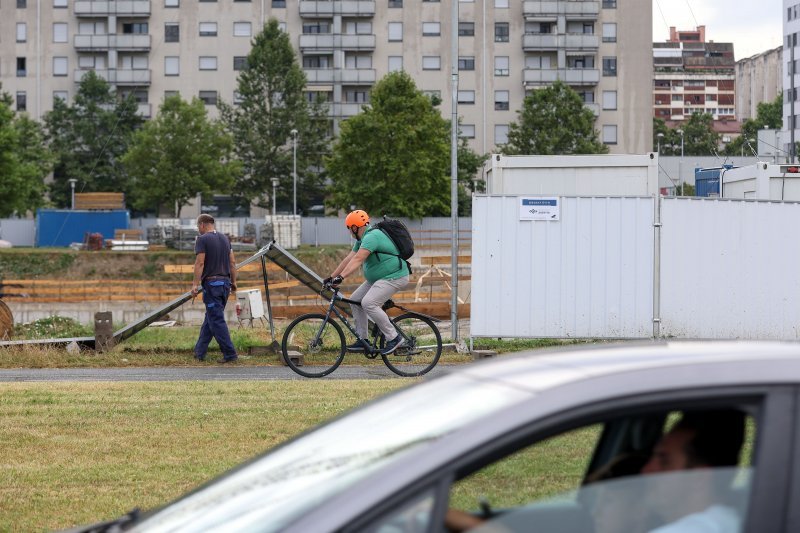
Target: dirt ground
[[69, 264]]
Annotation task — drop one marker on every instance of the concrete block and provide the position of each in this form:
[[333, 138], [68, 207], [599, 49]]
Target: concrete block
[[482, 354], [103, 331], [296, 357]]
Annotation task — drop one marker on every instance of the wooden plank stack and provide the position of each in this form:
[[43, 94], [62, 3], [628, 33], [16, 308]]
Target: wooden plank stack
[[99, 200]]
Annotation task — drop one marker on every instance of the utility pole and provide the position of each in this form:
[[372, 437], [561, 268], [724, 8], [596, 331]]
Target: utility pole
[[294, 171], [454, 167]]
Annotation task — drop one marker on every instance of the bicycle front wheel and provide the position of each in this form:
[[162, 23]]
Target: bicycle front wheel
[[422, 349], [320, 343]]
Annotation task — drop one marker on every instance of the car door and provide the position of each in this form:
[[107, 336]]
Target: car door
[[771, 408]]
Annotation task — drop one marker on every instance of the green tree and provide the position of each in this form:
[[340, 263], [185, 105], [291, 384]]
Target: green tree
[[768, 115], [394, 157], [553, 121], [469, 162], [89, 137], [24, 161], [272, 104], [699, 137], [178, 154]]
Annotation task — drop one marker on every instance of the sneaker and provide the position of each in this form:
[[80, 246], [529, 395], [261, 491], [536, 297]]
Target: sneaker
[[200, 358], [356, 347], [393, 345]]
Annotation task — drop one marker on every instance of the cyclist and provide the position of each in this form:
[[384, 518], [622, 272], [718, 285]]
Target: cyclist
[[385, 274]]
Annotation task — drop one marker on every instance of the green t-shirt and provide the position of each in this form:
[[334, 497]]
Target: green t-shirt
[[381, 265]]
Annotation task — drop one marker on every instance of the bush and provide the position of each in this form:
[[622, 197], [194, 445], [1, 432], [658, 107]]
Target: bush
[[53, 327]]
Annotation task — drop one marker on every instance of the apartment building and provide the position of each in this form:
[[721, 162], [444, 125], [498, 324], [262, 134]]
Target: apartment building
[[693, 75], [758, 79], [791, 82], [195, 47]]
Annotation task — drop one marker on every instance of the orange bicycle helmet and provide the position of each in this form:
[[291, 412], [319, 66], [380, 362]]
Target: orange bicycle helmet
[[357, 219]]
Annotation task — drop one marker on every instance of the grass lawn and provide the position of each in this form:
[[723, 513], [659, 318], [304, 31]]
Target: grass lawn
[[75, 453]]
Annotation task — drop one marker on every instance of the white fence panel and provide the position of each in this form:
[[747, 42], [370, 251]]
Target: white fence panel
[[730, 269], [590, 274], [18, 231]]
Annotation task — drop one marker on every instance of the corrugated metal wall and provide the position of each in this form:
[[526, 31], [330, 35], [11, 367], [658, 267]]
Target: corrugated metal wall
[[730, 269], [590, 274], [321, 231]]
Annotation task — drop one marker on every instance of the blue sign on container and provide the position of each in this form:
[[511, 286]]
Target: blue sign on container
[[61, 227]]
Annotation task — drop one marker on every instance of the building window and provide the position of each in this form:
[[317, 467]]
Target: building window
[[358, 61], [432, 1], [138, 28], [242, 29], [501, 100], [356, 97], [431, 29], [609, 66], [395, 3], [316, 27], [172, 32], [501, 134], [239, 62], [501, 66], [609, 32], [467, 131], [279, 3], [237, 98], [466, 29], [395, 63], [60, 95], [208, 63], [466, 97], [22, 4], [172, 3], [22, 32], [358, 28], [60, 66], [501, 4], [501, 33], [22, 69], [59, 3], [22, 101], [209, 97], [609, 4], [610, 134], [395, 31], [172, 66], [208, 29], [609, 99], [60, 32], [466, 63], [431, 63]]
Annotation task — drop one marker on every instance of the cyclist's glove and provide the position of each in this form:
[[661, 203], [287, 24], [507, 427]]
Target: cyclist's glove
[[326, 282], [335, 282]]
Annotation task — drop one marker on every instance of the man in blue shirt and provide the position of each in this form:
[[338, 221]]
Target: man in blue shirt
[[215, 272]]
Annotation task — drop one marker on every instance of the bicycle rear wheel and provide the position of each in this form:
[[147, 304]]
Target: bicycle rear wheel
[[319, 340], [422, 349]]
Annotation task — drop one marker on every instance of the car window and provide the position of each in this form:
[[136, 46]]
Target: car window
[[414, 516], [693, 475]]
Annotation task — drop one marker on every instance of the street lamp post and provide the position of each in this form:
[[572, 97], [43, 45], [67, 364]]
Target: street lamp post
[[274, 196], [294, 171], [659, 136], [72, 182], [680, 164]]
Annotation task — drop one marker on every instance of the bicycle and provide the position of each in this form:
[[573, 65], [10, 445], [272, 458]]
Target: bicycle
[[321, 341]]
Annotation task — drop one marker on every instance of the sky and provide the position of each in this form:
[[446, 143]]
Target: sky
[[753, 26]]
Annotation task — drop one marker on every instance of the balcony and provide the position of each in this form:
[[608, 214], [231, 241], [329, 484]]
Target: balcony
[[358, 76], [350, 8], [541, 41], [119, 76], [144, 110], [346, 109], [98, 8], [581, 41], [336, 41], [570, 8], [594, 106], [570, 76], [319, 75], [116, 41]]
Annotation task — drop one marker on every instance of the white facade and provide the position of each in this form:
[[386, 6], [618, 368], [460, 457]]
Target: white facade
[[791, 105], [762, 181], [152, 49]]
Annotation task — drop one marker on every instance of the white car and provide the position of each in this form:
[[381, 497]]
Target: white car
[[490, 438]]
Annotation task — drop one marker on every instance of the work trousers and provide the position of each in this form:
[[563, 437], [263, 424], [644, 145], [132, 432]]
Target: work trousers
[[215, 296], [373, 296]]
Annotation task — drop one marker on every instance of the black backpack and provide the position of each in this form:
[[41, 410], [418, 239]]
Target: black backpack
[[398, 233]]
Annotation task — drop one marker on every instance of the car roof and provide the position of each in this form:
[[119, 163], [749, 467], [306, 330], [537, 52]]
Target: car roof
[[723, 362]]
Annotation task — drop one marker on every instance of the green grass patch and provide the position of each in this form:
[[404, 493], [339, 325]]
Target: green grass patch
[[22, 264], [75, 453]]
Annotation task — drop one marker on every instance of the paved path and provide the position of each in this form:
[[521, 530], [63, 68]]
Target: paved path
[[220, 373]]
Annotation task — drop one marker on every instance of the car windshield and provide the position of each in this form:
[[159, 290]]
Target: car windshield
[[270, 492]]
